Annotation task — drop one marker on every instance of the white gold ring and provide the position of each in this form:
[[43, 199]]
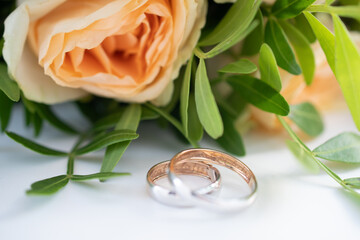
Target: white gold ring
[[169, 196]]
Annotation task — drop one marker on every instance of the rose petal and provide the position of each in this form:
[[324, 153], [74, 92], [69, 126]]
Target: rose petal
[[22, 64], [37, 86]]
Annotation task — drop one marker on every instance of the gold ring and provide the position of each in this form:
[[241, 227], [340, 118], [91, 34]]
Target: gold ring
[[207, 156]]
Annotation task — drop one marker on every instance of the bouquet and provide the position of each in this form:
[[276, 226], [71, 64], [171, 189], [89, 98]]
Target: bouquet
[[203, 68]]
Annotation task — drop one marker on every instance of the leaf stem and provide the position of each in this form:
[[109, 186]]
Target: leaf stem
[[173, 121], [346, 11], [71, 159], [199, 53], [313, 156]]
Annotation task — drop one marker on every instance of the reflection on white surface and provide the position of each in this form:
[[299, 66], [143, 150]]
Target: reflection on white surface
[[291, 204]]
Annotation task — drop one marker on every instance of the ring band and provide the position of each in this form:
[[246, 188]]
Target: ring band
[[169, 196], [212, 157]]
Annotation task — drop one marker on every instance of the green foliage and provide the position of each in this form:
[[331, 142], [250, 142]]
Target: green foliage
[[46, 113], [107, 122], [237, 19], [289, 8], [302, 24], [276, 39], [34, 146], [303, 156], [101, 175], [206, 106], [5, 111], [130, 120], [353, 182], [344, 147], [303, 51], [343, 11], [347, 70], [171, 119], [301, 150], [259, 94], [231, 140], [7, 85], [242, 66], [196, 130], [268, 68], [307, 118], [253, 41], [234, 38], [48, 186], [184, 97], [105, 140], [52, 185], [325, 38]]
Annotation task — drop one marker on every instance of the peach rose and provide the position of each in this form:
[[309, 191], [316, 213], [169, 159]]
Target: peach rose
[[324, 93], [59, 50]]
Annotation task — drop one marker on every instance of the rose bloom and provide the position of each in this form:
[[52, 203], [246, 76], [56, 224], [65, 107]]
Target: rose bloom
[[324, 92], [60, 50]]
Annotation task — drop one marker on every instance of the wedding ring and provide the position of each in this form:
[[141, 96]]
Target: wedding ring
[[169, 196], [218, 158]]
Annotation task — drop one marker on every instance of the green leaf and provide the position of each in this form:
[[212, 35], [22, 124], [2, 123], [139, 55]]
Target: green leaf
[[206, 106], [106, 140], [129, 120], [253, 41], [237, 18], [1, 46], [101, 175], [45, 112], [228, 42], [344, 147], [243, 66], [347, 66], [259, 94], [303, 51], [302, 24], [5, 111], [107, 122], [29, 105], [268, 68], [307, 118], [7, 85], [148, 114], [276, 39], [292, 133], [343, 11], [303, 156], [167, 116], [328, 2], [34, 146], [48, 186], [290, 8], [352, 182], [86, 108], [170, 119], [28, 117], [236, 104], [231, 140], [306, 149], [38, 123], [194, 125], [184, 97], [325, 37]]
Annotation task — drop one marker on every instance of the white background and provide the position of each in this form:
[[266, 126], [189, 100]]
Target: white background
[[292, 204]]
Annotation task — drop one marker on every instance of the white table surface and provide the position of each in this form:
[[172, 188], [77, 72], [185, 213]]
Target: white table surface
[[292, 204]]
